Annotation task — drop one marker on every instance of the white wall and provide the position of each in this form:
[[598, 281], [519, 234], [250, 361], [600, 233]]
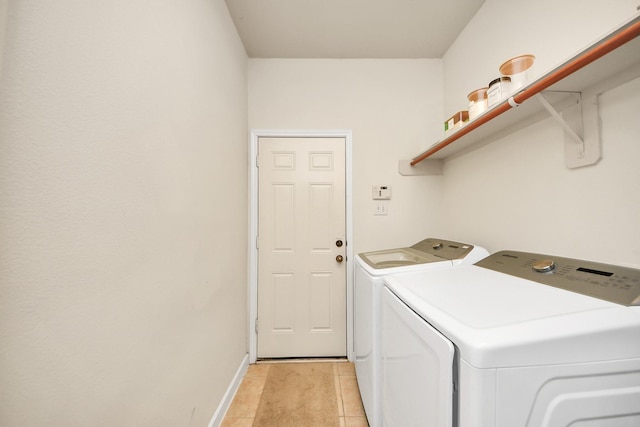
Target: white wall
[[3, 26], [551, 30], [521, 194], [123, 153], [393, 107]]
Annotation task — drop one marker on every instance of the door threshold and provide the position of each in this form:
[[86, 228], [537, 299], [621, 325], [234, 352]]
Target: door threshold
[[302, 360]]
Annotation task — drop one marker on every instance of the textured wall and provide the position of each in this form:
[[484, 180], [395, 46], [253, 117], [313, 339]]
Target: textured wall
[[393, 107], [122, 212]]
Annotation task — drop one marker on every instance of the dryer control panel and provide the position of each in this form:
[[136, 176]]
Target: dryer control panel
[[446, 249], [608, 282]]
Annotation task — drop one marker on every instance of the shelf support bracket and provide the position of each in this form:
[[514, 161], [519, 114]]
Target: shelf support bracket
[[560, 119], [581, 126], [426, 167]]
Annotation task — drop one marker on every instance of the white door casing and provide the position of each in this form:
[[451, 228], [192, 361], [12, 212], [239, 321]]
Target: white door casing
[[346, 250], [301, 234]]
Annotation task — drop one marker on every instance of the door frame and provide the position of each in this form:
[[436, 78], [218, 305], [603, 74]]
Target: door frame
[[252, 292]]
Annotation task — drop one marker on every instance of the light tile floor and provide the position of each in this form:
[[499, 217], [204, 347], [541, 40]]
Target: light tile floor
[[246, 401]]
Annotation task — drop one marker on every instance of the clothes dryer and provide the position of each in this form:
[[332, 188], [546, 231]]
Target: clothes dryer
[[370, 270], [518, 339]]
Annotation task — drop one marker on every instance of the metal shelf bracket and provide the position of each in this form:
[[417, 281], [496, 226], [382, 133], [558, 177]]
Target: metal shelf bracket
[[581, 121], [573, 134], [582, 141], [426, 167]]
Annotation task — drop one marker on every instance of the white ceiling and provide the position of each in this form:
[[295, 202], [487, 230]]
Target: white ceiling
[[350, 28]]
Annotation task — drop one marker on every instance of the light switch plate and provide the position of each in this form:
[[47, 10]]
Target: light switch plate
[[381, 208]]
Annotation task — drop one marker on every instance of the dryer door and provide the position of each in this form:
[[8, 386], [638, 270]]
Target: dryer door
[[417, 369]]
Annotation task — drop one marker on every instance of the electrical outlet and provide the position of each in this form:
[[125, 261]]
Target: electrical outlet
[[381, 208]]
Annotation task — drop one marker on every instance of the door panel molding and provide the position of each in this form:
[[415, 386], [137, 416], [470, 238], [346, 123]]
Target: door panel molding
[[321, 162]]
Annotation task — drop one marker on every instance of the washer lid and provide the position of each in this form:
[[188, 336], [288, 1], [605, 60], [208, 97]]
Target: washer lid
[[399, 257], [499, 320], [426, 251], [444, 248]]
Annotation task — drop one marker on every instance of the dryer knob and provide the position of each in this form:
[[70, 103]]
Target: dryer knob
[[437, 246], [544, 266]]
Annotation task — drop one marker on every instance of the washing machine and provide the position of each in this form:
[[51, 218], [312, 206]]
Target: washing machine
[[370, 270], [517, 339]]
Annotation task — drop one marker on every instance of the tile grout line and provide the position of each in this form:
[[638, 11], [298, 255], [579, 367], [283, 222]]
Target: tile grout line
[[338, 388]]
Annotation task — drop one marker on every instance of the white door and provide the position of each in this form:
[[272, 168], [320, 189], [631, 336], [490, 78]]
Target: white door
[[301, 247]]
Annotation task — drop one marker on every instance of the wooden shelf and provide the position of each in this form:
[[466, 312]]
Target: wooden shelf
[[614, 58]]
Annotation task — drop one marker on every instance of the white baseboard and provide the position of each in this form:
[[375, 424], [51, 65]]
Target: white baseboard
[[218, 416]]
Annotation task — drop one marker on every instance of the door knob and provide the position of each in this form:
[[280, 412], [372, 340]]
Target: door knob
[[339, 258], [338, 243]]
